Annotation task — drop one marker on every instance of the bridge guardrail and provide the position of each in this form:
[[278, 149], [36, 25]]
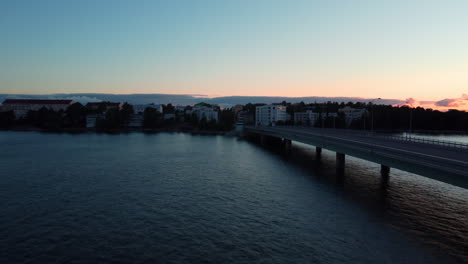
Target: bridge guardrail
[[444, 143]]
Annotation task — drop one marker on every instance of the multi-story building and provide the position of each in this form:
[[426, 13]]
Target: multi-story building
[[22, 106], [180, 108], [102, 107], [269, 115], [206, 111], [140, 108], [352, 114], [307, 118]]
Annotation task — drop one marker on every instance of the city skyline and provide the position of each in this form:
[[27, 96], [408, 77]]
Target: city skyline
[[368, 49]]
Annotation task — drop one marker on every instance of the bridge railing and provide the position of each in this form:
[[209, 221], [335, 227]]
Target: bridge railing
[[445, 143]]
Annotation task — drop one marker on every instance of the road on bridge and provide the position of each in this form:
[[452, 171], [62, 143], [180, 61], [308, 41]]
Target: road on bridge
[[436, 161]]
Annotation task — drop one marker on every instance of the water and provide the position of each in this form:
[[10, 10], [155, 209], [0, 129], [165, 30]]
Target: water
[[178, 198]]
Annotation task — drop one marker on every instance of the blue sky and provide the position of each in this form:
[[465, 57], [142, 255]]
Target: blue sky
[[392, 49]]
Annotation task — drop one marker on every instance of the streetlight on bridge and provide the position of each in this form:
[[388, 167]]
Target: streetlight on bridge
[[372, 114], [411, 117]]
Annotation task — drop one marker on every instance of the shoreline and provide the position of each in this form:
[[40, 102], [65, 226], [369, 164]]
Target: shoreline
[[118, 131], [191, 131]]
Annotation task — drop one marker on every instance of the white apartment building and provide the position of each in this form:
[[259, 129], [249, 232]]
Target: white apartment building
[[22, 106], [180, 108], [205, 112], [269, 115], [308, 117], [352, 114]]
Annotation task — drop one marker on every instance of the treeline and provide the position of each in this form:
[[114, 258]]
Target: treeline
[[114, 118], [153, 119], [384, 117], [73, 117], [406, 118]]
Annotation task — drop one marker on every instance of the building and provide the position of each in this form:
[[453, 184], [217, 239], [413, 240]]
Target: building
[[91, 120], [102, 107], [245, 117], [237, 108], [180, 108], [307, 118], [169, 116], [269, 115], [136, 120], [207, 111], [22, 106], [140, 108], [352, 114]]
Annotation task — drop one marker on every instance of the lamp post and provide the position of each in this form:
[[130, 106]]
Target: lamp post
[[322, 115], [411, 118], [372, 115]]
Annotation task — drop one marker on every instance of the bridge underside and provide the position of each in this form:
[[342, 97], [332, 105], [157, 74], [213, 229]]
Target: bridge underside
[[433, 170]]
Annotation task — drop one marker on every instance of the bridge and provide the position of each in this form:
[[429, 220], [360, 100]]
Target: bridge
[[440, 160]]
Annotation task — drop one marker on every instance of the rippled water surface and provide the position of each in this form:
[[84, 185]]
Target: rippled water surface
[[181, 198]]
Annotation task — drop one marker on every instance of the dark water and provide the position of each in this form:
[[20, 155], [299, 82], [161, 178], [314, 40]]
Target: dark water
[[178, 198]]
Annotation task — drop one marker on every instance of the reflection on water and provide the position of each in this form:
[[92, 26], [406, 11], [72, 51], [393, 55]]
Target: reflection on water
[[177, 198], [433, 212]]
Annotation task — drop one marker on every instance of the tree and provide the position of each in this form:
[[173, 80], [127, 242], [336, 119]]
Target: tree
[[227, 119], [75, 116], [168, 109], [7, 119], [151, 118], [125, 114], [112, 119]]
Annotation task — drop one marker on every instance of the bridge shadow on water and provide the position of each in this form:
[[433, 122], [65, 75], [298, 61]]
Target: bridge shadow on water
[[430, 212]]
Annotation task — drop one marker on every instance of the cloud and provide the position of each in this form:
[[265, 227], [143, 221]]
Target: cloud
[[83, 99], [448, 102], [410, 101]]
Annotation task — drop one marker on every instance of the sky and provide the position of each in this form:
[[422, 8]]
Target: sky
[[409, 50]]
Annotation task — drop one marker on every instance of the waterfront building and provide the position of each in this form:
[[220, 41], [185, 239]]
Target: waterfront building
[[91, 120], [136, 120], [308, 118], [352, 114], [140, 108], [245, 117], [207, 111], [269, 115], [168, 116], [102, 107], [180, 108], [22, 106], [237, 108]]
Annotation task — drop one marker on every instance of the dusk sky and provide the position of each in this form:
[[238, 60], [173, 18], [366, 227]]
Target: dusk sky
[[390, 49]]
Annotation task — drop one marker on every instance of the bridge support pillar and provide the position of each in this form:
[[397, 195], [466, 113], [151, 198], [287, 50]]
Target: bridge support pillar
[[287, 145], [262, 140], [384, 170], [340, 163], [318, 153], [385, 173]]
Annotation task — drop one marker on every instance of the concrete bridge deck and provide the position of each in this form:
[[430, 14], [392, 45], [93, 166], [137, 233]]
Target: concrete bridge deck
[[445, 163]]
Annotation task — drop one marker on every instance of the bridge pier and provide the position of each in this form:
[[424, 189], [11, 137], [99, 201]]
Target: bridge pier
[[385, 173], [287, 145], [384, 170], [340, 163], [318, 153]]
